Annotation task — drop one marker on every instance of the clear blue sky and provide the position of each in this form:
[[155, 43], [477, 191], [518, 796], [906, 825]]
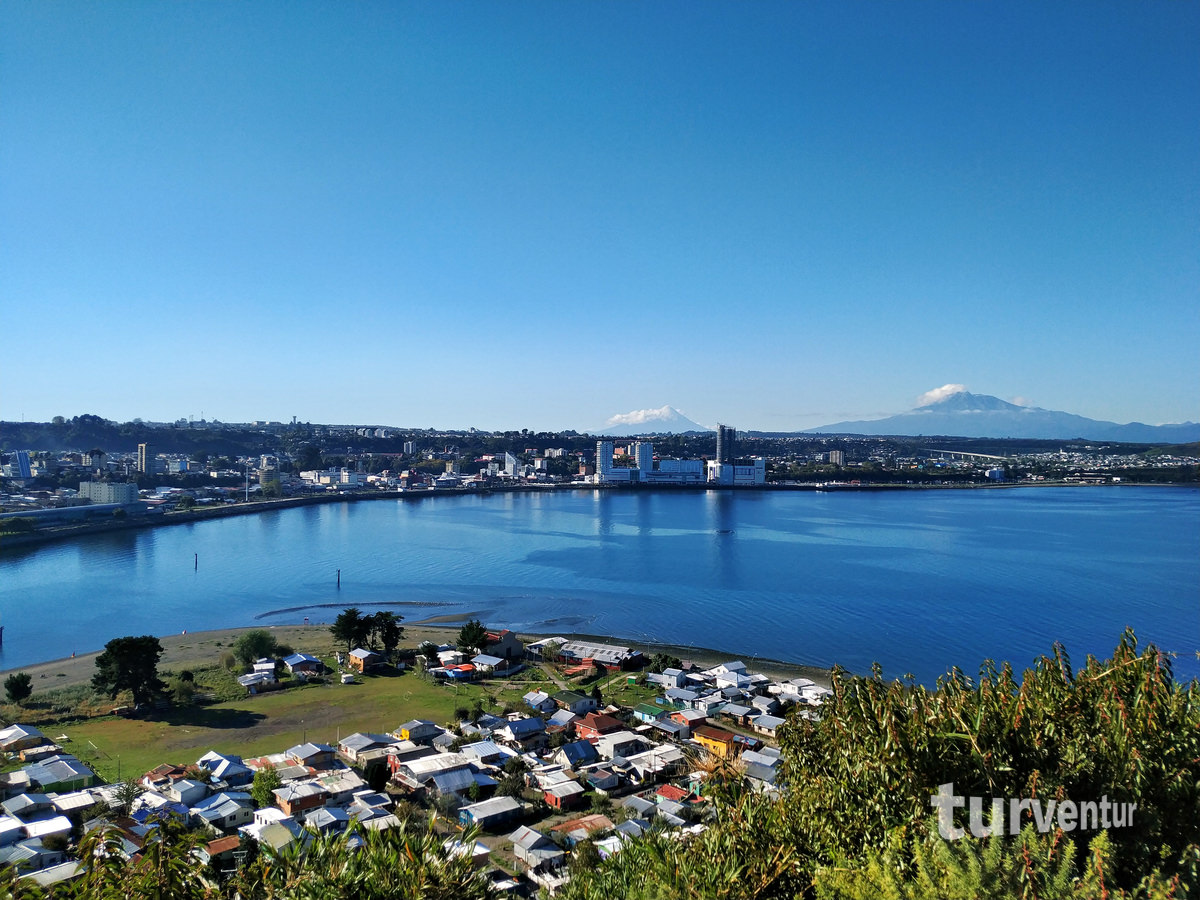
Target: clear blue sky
[[508, 215]]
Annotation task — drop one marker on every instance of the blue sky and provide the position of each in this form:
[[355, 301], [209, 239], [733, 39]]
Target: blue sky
[[508, 215]]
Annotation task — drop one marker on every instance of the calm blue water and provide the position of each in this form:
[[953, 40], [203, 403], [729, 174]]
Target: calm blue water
[[917, 580]]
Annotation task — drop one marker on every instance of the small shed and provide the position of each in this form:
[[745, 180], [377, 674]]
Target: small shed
[[492, 813], [564, 795]]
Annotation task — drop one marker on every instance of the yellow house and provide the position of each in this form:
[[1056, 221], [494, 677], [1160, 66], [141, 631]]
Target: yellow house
[[717, 741]]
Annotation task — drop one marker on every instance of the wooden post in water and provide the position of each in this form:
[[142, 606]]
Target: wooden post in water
[[196, 562], [339, 579]]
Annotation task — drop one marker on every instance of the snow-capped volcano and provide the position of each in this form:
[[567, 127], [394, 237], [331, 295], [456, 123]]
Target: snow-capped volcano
[[953, 410], [665, 420]]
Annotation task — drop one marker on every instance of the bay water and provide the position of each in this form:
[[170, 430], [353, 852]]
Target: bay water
[[916, 580]]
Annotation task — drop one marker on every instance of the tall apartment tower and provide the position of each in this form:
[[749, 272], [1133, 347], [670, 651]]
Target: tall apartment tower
[[643, 456], [143, 462], [726, 438], [604, 458], [22, 467]]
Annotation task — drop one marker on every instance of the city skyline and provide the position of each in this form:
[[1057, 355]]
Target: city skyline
[[776, 215]]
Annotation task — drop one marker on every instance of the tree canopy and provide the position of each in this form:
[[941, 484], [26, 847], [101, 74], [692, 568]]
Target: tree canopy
[[381, 629], [129, 664], [409, 862], [854, 818], [266, 780], [386, 629], [254, 645], [472, 636], [350, 627], [18, 686]]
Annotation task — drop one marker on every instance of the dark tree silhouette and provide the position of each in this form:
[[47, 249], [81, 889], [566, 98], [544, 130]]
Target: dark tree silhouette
[[129, 664]]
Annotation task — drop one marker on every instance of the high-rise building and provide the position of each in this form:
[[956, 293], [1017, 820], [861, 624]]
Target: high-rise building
[[604, 459], [726, 439], [837, 457], [643, 456], [22, 469], [512, 465], [144, 463]]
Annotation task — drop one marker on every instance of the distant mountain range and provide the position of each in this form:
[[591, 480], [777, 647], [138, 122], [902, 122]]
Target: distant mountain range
[[963, 414], [666, 420]]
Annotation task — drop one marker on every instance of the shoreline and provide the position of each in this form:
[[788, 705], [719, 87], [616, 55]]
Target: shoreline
[[199, 648], [207, 513]]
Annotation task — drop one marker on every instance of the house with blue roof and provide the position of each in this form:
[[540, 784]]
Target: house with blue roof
[[576, 754], [524, 734]]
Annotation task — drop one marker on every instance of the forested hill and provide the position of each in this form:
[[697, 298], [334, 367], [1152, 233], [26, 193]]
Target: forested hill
[[87, 432]]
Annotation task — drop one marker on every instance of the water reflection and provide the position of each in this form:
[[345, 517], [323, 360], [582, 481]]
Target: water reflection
[[812, 577]]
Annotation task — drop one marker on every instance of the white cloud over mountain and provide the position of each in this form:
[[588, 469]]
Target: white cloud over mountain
[[666, 419], [946, 390], [642, 416]]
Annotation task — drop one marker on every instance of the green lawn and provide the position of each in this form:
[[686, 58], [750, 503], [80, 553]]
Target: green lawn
[[272, 722], [618, 690]]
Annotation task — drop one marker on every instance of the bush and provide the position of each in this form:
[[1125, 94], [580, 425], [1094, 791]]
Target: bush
[[183, 693], [56, 842], [18, 686], [254, 645]]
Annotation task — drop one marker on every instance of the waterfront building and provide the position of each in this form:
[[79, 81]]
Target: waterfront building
[[726, 439], [643, 456], [108, 492], [332, 476], [604, 460], [647, 470], [674, 471], [742, 473], [512, 466]]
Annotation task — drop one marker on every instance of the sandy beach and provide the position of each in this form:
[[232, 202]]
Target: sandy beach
[[204, 648]]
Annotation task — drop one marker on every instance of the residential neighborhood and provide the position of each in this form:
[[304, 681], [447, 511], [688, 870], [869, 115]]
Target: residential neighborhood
[[564, 768]]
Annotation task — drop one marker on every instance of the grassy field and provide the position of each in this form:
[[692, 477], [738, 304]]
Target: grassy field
[[119, 748], [64, 704]]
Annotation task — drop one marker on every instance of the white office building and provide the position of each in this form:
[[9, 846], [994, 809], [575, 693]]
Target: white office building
[[742, 473], [108, 492], [646, 469], [512, 466]]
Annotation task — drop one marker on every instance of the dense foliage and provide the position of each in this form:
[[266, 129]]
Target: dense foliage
[[410, 862], [381, 629], [18, 686], [856, 820], [255, 645], [129, 664], [472, 637]]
